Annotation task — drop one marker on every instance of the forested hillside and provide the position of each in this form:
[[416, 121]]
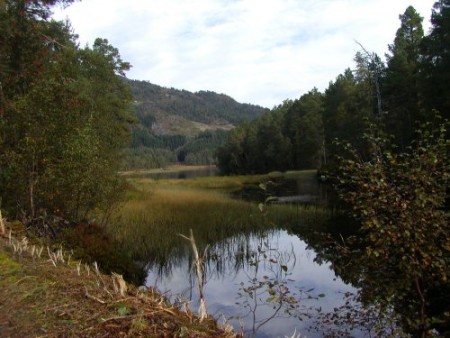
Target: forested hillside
[[179, 126], [394, 95]]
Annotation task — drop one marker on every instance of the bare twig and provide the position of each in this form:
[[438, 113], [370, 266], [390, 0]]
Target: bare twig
[[199, 274], [116, 318], [2, 225], [93, 297]]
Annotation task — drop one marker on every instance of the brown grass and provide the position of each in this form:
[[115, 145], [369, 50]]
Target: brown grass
[[53, 296]]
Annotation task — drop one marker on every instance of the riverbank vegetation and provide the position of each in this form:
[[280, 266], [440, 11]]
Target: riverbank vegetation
[[400, 201], [379, 132], [156, 211], [45, 292]]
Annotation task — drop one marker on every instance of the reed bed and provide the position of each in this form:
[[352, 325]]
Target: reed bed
[[149, 222]]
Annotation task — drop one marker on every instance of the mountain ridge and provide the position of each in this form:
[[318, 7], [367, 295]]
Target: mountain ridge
[[163, 110]]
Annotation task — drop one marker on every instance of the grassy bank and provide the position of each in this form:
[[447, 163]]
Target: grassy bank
[[44, 293]]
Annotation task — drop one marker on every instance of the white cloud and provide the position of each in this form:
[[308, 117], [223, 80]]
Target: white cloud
[[256, 51]]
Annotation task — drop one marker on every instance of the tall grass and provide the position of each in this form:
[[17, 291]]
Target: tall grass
[[155, 213]]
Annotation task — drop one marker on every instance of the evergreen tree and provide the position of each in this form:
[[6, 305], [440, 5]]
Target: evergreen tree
[[304, 128], [435, 65], [401, 86], [64, 116], [348, 103]]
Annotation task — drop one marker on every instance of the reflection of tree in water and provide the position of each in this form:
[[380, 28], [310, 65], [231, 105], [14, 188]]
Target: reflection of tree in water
[[339, 243], [265, 294]]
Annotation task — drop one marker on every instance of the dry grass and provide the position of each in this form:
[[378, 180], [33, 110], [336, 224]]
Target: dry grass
[[149, 222], [49, 295]]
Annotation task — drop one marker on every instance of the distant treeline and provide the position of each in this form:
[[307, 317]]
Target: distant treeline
[[148, 150], [395, 95]]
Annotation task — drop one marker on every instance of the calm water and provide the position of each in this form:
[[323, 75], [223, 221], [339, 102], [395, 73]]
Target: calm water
[[181, 174], [242, 262], [246, 275]]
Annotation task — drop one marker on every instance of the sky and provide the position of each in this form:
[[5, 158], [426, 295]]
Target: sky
[[256, 51]]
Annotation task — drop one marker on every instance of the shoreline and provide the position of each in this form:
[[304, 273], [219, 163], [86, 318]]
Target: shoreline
[[169, 169]]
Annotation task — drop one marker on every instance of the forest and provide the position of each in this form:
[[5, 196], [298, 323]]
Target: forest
[[396, 95], [65, 111]]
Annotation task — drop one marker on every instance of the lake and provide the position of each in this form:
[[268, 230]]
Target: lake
[[277, 259], [275, 256], [263, 280]]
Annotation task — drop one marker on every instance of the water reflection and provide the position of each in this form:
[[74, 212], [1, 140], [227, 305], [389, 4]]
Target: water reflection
[[180, 174], [289, 188], [252, 279]]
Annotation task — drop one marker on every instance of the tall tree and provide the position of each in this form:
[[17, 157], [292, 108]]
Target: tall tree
[[64, 119], [348, 102], [401, 86], [435, 65], [304, 128]]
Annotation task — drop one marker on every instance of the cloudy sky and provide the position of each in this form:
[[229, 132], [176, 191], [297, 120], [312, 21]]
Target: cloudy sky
[[256, 51]]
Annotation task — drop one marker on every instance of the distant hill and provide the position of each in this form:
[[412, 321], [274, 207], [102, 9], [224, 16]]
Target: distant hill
[[170, 111], [177, 125]]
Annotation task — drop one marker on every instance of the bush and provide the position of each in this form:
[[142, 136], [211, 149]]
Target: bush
[[91, 243]]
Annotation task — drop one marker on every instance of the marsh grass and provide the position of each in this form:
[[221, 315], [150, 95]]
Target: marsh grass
[[156, 211]]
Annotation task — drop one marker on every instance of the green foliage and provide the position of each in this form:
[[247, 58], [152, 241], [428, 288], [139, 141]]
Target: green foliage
[[399, 198], [394, 94], [258, 146], [304, 128], [191, 125], [435, 65], [145, 158], [64, 116], [91, 243], [401, 83], [149, 150], [347, 103]]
